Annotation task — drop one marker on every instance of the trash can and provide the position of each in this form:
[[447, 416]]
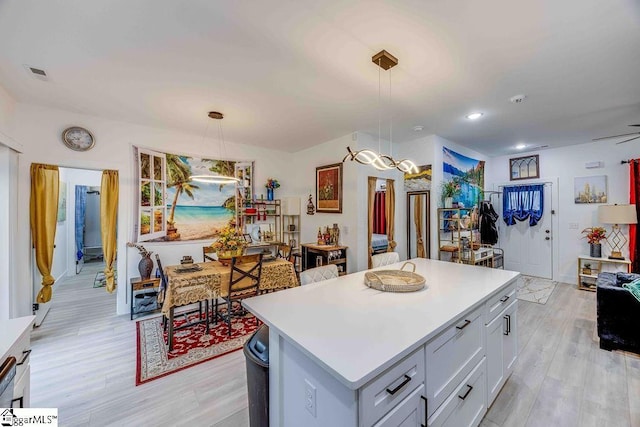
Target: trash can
[[256, 351]]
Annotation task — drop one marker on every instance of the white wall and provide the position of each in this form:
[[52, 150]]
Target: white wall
[[564, 164], [39, 130], [8, 218], [7, 117]]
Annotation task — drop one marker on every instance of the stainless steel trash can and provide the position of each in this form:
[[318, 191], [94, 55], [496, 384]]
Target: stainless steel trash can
[[256, 351]]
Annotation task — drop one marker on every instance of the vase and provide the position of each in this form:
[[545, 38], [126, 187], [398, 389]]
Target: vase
[[270, 194], [145, 266], [225, 256], [595, 250], [448, 202]]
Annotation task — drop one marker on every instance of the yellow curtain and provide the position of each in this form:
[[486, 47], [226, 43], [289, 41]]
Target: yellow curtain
[[108, 223], [372, 195], [390, 213], [417, 219], [43, 211]]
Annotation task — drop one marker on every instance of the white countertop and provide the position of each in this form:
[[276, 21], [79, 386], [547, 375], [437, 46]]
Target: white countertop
[[11, 330], [356, 332]]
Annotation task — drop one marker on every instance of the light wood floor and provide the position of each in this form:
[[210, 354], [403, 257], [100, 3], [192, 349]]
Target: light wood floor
[[83, 363]]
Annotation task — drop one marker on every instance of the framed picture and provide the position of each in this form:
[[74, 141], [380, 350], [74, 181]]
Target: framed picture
[[329, 188], [247, 238], [590, 189], [524, 168]]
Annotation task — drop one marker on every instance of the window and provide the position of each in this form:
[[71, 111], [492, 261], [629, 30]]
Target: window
[[152, 204]]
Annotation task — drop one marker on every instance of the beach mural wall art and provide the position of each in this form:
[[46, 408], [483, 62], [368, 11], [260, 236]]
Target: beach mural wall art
[[194, 210], [467, 172]]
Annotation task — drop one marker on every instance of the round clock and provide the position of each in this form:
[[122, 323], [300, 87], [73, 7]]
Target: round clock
[[78, 138]]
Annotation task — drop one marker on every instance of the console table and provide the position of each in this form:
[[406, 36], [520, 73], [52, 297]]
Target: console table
[[587, 280], [314, 255]]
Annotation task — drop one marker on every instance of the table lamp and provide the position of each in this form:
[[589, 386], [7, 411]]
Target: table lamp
[[616, 215]]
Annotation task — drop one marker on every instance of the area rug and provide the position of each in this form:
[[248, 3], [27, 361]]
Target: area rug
[[191, 345], [535, 289], [101, 281]]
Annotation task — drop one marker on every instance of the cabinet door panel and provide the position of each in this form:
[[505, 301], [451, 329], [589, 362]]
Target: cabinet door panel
[[510, 347], [408, 413], [495, 367]]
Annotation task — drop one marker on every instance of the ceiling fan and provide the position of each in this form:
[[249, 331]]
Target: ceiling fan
[[637, 135]]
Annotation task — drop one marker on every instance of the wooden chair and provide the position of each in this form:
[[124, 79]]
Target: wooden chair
[[318, 274], [284, 252], [206, 254], [244, 282], [164, 286]]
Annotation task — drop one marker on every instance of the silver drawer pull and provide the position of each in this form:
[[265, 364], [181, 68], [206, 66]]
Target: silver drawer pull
[[25, 354], [504, 299], [407, 378], [467, 393], [466, 323]]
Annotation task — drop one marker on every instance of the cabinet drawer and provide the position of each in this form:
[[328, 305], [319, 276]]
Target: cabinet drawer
[[21, 389], [409, 413], [466, 405], [389, 389], [500, 301], [452, 355]]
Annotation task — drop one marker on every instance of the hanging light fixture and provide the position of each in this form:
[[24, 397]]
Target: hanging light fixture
[[380, 161], [211, 178]]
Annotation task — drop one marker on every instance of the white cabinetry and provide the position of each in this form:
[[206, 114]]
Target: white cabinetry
[[502, 344], [16, 342]]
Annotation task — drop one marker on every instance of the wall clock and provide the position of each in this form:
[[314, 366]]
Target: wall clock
[[78, 138]]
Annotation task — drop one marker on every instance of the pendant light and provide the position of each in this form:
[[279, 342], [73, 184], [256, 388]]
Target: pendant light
[[380, 161], [212, 178]]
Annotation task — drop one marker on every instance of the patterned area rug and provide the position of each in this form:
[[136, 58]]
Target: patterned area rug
[[191, 345], [535, 289]]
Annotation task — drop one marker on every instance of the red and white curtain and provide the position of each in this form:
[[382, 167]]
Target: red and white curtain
[[634, 199], [379, 217]]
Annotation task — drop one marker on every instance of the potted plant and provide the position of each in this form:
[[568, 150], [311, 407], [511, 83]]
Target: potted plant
[[271, 185], [450, 189], [229, 244], [594, 236]]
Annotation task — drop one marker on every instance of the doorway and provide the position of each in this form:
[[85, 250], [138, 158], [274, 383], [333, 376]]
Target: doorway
[[529, 249]]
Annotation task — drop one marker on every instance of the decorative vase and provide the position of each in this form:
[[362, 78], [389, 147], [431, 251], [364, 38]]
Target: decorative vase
[[270, 194], [225, 256], [595, 250], [448, 202], [145, 266]]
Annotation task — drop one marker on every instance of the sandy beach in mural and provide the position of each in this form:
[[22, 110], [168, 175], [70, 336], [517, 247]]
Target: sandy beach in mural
[[200, 222]]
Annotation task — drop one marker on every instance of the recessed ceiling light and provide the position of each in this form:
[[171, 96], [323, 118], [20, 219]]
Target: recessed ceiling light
[[521, 146], [474, 116], [418, 128]]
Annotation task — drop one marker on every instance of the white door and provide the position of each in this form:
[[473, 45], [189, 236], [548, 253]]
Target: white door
[[528, 249]]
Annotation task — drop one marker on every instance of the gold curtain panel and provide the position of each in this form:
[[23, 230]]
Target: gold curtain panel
[[109, 191]]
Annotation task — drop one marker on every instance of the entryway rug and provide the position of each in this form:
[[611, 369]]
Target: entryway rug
[[191, 345], [535, 289]]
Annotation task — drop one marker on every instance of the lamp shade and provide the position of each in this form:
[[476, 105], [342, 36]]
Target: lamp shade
[[617, 214], [291, 206]]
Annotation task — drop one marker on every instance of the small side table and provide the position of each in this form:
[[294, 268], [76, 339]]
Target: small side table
[[144, 296], [587, 279]]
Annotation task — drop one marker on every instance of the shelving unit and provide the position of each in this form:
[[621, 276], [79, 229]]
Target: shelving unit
[[265, 214], [316, 255], [587, 280], [144, 296], [457, 242]]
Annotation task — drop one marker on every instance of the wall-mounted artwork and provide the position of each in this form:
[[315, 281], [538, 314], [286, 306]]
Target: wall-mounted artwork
[[172, 207], [62, 202], [527, 167], [590, 189], [467, 172], [329, 188], [420, 181]]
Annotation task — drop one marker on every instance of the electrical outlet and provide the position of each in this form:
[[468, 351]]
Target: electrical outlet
[[310, 397], [573, 226]]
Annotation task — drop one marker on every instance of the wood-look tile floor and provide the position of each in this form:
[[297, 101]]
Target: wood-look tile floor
[[83, 362]]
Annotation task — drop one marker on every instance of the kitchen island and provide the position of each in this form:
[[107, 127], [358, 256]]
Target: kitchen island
[[344, 354]]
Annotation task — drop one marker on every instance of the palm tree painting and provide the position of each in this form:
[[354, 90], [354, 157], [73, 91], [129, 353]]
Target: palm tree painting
[[197, 210]]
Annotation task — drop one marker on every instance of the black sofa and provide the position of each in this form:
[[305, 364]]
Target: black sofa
[[618, 313]]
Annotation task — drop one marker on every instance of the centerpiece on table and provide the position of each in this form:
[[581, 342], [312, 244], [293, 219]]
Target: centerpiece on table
[[450, 189], [229, 244], [271, 185], [594, 236], [145, 266]]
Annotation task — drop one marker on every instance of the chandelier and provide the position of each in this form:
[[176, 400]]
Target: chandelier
[[212, 178], [380, 161]]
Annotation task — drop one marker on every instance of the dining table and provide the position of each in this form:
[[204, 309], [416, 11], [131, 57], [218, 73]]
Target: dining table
[[194, 283]]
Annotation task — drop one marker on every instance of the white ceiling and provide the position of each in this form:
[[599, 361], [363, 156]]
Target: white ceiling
[[292, 74]]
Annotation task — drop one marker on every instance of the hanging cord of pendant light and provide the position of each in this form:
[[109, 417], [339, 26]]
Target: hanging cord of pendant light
[[216, 178]]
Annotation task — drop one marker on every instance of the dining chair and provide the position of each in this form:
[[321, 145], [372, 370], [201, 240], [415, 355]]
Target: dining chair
[[318, 274], [206, 253], [244, 282], [284, 252], [385, 258], [164, 287]]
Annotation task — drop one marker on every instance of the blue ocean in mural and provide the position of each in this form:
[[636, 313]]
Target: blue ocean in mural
[[470, 173], [193, 214]]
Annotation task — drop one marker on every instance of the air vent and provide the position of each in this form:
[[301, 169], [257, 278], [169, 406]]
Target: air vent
[[517, 99], [38, 73]]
